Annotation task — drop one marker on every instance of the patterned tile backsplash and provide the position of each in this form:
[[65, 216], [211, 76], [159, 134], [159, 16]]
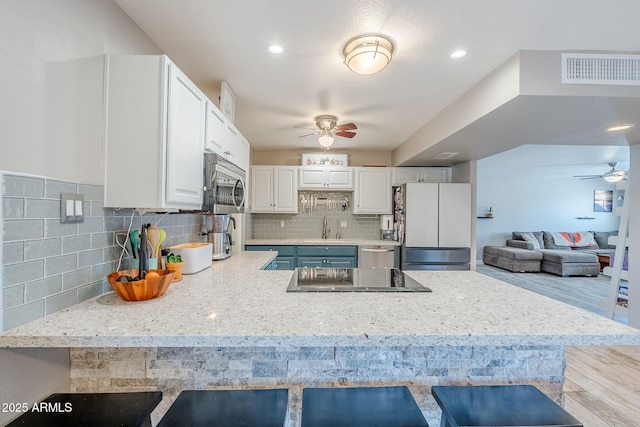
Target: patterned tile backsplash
[[309, 224], [48, 266]]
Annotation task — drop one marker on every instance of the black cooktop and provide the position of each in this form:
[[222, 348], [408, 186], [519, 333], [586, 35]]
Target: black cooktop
[[307, 279]]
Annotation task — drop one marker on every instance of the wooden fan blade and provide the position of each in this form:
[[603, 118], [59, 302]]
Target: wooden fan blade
[[309, 134], [346, 134], [346, 126]]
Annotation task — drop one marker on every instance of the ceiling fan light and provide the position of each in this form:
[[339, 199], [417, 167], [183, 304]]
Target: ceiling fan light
[[368, 53], [325, 140], [613, 176]]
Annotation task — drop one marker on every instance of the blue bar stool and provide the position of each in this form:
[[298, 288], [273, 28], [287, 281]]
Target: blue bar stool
[[508, 405], [360, 407], [92, 409], [228, 408]]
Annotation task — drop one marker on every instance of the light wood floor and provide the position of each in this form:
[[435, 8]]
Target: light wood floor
[[602, 385]]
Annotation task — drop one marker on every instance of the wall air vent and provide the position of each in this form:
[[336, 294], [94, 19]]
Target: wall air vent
[[445, 156], [600, 69]]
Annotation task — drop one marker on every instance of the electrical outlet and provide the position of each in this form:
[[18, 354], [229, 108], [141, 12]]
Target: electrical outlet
[[71, 208]]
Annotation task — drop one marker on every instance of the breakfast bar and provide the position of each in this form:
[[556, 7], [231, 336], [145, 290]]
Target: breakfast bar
[[234, 326]]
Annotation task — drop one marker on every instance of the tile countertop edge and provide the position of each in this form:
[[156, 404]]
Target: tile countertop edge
[[317, 341]]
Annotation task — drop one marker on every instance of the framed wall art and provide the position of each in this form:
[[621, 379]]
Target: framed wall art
[[603, 201]]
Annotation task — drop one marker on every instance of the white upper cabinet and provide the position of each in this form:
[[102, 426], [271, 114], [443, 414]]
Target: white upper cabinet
[[403, 175], [326, 178], [185, 140], [274, 189], [244, 151], [214, 141], [231, 143], [224, 139], [372, 193], [154, 135]]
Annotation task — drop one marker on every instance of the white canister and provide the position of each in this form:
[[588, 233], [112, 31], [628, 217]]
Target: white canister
[[386, 222], [196, 256]]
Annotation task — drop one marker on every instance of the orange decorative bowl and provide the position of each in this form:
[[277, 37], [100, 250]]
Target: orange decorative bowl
[[140, 290]]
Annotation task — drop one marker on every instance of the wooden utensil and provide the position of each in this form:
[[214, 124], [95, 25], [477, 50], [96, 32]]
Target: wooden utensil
[[153, 235], [162, 235]]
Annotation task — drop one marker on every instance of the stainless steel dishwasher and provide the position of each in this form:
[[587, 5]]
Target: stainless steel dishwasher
[[378, 256]]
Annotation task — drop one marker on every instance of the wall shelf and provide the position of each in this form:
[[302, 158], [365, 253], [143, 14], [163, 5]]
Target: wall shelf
[[484, 217]]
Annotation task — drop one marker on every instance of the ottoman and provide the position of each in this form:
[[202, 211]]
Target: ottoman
[[569, 263], [512, 259]]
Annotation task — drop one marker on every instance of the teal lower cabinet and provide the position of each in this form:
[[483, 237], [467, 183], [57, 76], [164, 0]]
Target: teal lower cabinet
[[284, 263], [328, 256], [289, 257], [286, 259], [325, 262]]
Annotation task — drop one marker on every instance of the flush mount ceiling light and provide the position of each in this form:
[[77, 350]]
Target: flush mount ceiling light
[[619, 128], [326, 140], [276, 49], [368, 53]]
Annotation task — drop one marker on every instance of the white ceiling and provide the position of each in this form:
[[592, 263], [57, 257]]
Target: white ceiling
[[223, 40]]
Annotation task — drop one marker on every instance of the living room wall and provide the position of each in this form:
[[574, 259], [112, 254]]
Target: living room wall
[[535, 201]]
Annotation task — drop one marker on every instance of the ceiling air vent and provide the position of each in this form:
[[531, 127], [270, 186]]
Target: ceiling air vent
[[444, 156], [600, 69]]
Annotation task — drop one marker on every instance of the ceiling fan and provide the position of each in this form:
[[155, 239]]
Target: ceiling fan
[[327, 126], [613, 175]]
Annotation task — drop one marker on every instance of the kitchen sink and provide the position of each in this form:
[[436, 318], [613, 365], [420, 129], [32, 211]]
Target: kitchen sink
[[322, 240]]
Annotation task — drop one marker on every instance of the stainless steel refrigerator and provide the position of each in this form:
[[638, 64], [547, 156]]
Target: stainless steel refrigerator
[[433, 224]]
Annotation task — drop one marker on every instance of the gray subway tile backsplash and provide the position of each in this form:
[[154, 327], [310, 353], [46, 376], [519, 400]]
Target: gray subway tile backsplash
[[38, 289], [22, 186], [309, 224], [48, 266], [42, 248]]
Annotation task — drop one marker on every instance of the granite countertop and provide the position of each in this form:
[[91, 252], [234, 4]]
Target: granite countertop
[[234, 303], [322, 242]]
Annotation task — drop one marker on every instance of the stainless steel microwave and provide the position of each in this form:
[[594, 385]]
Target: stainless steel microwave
[[224, 186]]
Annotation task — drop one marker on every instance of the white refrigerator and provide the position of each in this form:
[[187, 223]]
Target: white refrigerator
[[433, 222]]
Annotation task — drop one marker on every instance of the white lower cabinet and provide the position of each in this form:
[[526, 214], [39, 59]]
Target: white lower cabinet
[[274, 189], [155, 132], [372, 193]]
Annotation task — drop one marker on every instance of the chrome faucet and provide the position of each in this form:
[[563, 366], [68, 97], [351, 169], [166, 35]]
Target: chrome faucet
[[325, 230]]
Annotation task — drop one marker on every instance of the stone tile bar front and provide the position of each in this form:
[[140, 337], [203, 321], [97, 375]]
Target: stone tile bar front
[[173, 369]]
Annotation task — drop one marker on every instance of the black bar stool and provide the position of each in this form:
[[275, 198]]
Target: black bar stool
[[362, 406], [500, 405], [228, 408], [92, 409]]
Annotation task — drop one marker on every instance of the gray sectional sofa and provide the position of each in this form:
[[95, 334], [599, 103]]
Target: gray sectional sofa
[[564, 254]]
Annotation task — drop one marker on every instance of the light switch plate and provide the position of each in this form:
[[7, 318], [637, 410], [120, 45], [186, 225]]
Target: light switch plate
[[71, 208]]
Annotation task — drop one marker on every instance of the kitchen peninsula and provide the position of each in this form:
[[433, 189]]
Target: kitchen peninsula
[[234, 326]]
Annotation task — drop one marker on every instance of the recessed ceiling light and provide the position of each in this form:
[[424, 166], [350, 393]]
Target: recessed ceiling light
[[276, 49], [618, 128], [458, 54]]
